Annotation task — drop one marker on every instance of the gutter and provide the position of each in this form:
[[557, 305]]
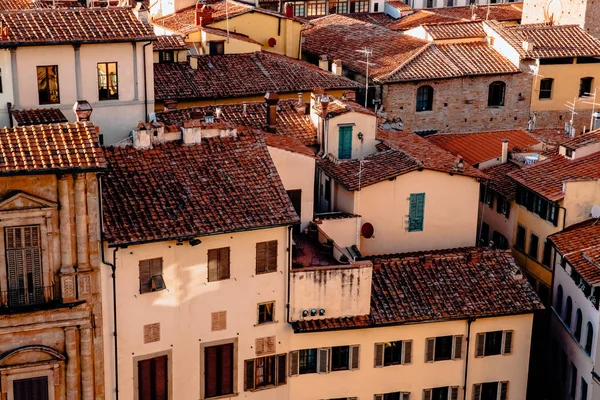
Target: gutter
[[145, 82]]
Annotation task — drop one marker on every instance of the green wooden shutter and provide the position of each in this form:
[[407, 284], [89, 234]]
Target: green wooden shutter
[[345, 142], [416, 212]]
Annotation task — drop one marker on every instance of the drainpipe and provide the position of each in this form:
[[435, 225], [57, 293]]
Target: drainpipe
[[289, 265], [145, 82], [469, 322], [9, 108]]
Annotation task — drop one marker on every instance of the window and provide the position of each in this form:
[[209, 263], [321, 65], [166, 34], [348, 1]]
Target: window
[[546, 88], [359, 6], [416, 212], [327, 189], [338, 7], [589, 338], [266, 312], [493, 343], [307, 361], [151, 278], [216, 48], [218, 370], [393, 353], [578, 323], [573, 385], [496, 94], [559, 300], [376, 7], [108, 81], [584, 389], [299, 9], [218, 264], [153, 378], [503, 206], [393, 396], [520, 243], [324, 360], [449, 3], [533, 246], [340, 358], [443, 348], [265, 372], [425, 98], [490, 391], [316, 7], [24, 266], [166, 56], [585, 86], [441, 393], [489, 197], [547, 256], [500, 241], [429, 4], [568, 311], [484, 236], [266, 257], [31, 388], [345, 142], [47, 77]]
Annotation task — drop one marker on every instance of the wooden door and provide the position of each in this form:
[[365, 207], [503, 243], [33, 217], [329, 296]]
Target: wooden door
[[31, 389]]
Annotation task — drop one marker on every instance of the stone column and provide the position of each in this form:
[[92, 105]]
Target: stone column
[[72, 363], [15, 76], [67, 272], [87, 363], [81, 222]]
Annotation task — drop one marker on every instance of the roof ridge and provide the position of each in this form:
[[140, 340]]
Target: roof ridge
[[405, 63]]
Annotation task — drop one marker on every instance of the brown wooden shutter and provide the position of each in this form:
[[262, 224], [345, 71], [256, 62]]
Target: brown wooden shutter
[[145, 276], [323, 361], [354, 357], [271, 344], [249, 375], [259, 346], [210, 371], [224, 263], [144, 380], [457, 347], [294, 363], [218, 321], [429, 350], [507, 348], [479, 344], [156, 265], [261, 257], [272, 256], [152, 333], [226, 368], [476, 391], [379, 349], [426, 394], [503, 390], [213, 265], [407, 352], [161, 383], [454, 393], [281, 370]]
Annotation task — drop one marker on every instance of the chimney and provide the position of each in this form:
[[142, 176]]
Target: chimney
[[324, 105], [504, 151], [301, 106], [271, 99], [350, 95], [289, 10], [193, 60], [141, 137], [323, 63], [191, 132], [336, 67], [203, 14], [527, 45], [141, 11], [459, 164], [244, 107]]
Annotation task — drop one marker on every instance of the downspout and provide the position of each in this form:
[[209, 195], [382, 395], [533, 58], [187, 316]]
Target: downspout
[[145, 83], [564, 225], [289, 265], [469, 322]]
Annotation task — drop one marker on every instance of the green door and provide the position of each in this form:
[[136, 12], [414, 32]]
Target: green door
[[345, 143]]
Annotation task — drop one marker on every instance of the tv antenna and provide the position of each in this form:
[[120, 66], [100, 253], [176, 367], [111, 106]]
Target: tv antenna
[[368, 53], [590, 98], [569, 128]]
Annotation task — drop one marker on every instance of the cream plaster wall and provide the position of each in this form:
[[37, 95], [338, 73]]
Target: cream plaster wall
[[498, 221], [579, 199], [363, 123], [342, 229], [6, 96]]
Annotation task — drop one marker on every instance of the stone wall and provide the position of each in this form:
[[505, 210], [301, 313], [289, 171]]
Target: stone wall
[[461, 104], [557, 119], [583, 13]]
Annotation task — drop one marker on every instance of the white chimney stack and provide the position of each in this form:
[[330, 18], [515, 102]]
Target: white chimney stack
[[324, 63], [504, 151], [141, 138], [336, 67]]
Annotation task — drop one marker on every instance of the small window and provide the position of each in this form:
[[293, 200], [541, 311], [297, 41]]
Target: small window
[[493, 343], [266, 312], [589, 339], [585, 86], [441, 393], [327, 189], [47, 77], [578, 324], [429, 3], [391, 396], [393, 353], [490, 391], [416, 212], [559, 300], [569, 311], [500, 241], [520, 243], [425, 98], [443, 348], [449, 3], [266, 257], [547, 256], [546, 88], [218, 264], [299, 9], [533, 246], [502, 206], [489, 198], [216, 48], [376, 7], [338, 7], [108, 81], [496, 94], [265, 372], [151, 278], [166, 56], [484, 235], [359, 6], [219, 367], [340, 358], [315, 8], [153, 378], [307, 360]]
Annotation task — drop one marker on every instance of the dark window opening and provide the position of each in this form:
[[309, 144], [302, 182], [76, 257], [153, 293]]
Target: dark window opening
[[585, 86], [546, 88], [425, 98], [308, 361], [266, 312], [218, 367], [216, 48], [340, 358], [108, 81], [47, 77], [496, 94], [443, 348]]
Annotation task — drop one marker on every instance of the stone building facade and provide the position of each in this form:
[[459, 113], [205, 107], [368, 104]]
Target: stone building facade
[[582, 13], [50, 310]]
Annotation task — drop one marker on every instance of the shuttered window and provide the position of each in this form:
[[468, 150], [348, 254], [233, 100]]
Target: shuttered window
[[393, 353], [218, 370], [441, 393], [490, 391], [152, 333], [345, 142], [24, 266], [416, 212], [266, 257], [218, 321], [392, 396], [265, 345], [218, 264], [493, 343], [266, 312], [151, 278], [153, 378], [444, 348], [264, 372], [303, 362]]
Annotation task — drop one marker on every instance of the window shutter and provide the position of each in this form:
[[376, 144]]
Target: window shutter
[[213, 265], [272, 256], [479, 344], [218, 321], [259, 346], [457, 347], [416, 211], [429, 350], [271, 344], [476, 391], [378, 397], [354, 356], [261, 257], [161, 377], [407, 352], [144, 379], [405, 396], [224, 263], [503, 390], [281, 369], [426, 394], [454, 393], [152, 333], [249, 375], [507, 347], [294, 363], [210, 371], [323, 361], [156, 266], [227, 365], [379, 349], [145, 276]]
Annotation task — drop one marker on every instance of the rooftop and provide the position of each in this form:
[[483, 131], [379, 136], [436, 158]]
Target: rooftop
[[220, 185], [13, 5], [439, 286], [455, 30], [499, 181], [288, 143], [238, 75], [38, 116], [339, 106], [69, 25], [169, 42], [580, 141]]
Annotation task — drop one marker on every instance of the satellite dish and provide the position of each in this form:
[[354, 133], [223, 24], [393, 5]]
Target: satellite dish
[[367, 230], [596, 211]]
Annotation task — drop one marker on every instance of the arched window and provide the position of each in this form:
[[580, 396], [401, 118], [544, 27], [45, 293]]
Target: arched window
[[578, 322], [589, 338], [496, 94], [559, 300], [546, 88], [585, 86], [569, 311], [425, 98]]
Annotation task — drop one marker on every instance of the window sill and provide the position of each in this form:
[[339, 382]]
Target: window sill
[[496, 107], [223, 396], [260, 389], [264, 273], [266, 323]]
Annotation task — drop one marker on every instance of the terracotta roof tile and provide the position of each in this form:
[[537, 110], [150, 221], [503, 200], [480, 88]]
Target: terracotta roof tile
[[499, 181], [476, 148], [580, 141], [381, 19], [455, 30], [232, 35], [169, 42], [237, 75], [38, 116], [418, 18], [13, 5], [50, 148], [399, 5], [288, 143], [82, 25], [219, 185], [338, 107], [329, 324]]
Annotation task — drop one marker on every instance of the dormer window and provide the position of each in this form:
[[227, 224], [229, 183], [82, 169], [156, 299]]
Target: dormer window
[[166, 56]]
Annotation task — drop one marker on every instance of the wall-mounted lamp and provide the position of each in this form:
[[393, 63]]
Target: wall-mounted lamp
[[360, 135], [313, 312]]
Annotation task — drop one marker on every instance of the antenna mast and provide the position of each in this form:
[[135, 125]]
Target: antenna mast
[[569, 128], [590, 98], [368, 53]]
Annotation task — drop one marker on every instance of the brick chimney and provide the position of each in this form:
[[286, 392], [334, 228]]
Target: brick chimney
[[271, 99], [289, 10], [350, 95], [203, 14]]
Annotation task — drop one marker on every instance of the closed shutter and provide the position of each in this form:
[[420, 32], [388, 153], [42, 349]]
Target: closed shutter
[[272, 256], [271, 343], [210, 372], [426, 394], [379, 349], [213, 265], [281, 369], [416, 212], [429, 349], [218, 321], [294, 363], [479, 344], [161, 378], [407, 352], [354, 356], [476, 391], [145, 277], [249, 375], [12, 265], [156, 266], [457, 348], [261, 257], [507, 347], [454, 393], [378, 397], [33, 264], [323, 361], [224, 263], [144, 380], [260, 346], [405, 396], [503, 390], [226, 368], [345, 142]]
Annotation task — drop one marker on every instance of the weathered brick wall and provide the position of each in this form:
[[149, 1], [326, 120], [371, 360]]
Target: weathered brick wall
[[557, 119], [461, 105], [585, 13]]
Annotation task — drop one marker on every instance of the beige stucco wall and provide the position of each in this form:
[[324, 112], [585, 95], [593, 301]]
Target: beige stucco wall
[[180, 55], [498, 221], [363, 123], [342, 229]]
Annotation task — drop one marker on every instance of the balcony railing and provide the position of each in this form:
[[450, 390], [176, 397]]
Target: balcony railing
[[30, 297]]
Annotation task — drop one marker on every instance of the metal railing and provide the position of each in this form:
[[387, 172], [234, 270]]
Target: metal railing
[[27, 297]]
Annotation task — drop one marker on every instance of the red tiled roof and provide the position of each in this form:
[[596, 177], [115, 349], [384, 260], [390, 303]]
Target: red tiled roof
[[418, 18], [237, 75], [13, 5], [287, 143], [580, 141], [547, 177], [232, 35], [38, 116], [580, 245], [381, 19], [289, 121], [550, 136], [476, 148], [338, 107], [330, 324], [499, 181], [399, 5], [548, 41], [169, 42], [50, 148], [455, 30], [81, 25], [219, 185]]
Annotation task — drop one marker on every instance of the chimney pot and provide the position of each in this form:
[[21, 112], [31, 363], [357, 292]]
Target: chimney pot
[[271, 99], [336, 67], [324, 105], [504, 151]]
